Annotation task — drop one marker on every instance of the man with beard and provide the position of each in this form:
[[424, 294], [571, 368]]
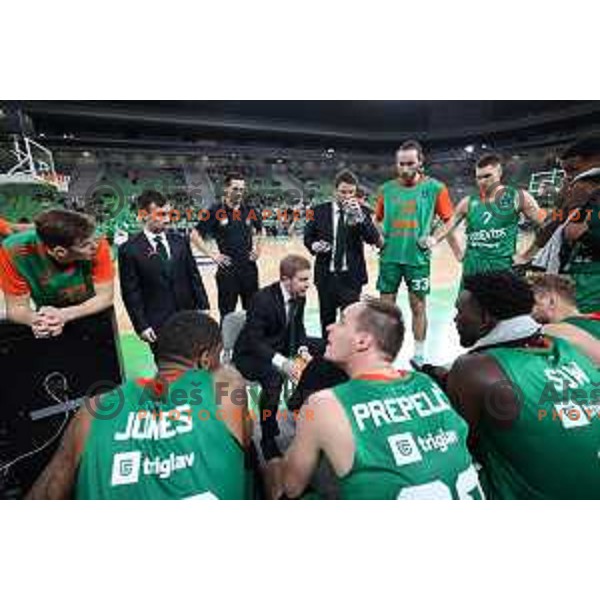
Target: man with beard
[[406, 207]]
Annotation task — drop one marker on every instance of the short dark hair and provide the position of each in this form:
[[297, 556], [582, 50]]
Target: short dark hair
[[187, 334], [291, 264], [585, 147], [233, 175], [60, 227], [549, 282], [412, 145], [489, 160], [345, 176], [503, 294], [149, 197], [385, 323]]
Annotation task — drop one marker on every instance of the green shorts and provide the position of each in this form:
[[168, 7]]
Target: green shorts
[[392, 274], [587, 291]]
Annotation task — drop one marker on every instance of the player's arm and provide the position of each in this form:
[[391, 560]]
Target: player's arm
[[18, 309], [531, 209], [102, 299], [57, 480], [232, 399], [585, 342], [103, 274], [200, 243], [453, 222], [322, 426], [17, 293], [478, 389]]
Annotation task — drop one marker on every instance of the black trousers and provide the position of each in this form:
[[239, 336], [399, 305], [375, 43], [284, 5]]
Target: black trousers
[[271, 382], [237, 281], [336, 291]]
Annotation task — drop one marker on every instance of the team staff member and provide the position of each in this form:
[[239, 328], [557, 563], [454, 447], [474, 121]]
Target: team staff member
[[406, 208], [336, 236], [231, 223], [158, 273], [61, 267]]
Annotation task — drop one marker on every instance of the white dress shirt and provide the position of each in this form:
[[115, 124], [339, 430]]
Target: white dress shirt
[[335, 218], [151, 237]]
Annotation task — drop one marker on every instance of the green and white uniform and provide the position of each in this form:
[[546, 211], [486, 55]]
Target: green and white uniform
[[410, 443], [552, 449], [492, 229], [139, 454]]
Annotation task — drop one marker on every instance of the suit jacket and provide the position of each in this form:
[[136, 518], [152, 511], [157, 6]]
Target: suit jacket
[[153, 289], [320, 227], [266, 331]]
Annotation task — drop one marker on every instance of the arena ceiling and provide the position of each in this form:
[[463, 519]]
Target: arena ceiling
[[370, 123]]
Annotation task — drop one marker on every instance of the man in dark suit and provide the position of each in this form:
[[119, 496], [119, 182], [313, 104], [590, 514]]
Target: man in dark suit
[[336, 235], [158, 273], [270, 339]]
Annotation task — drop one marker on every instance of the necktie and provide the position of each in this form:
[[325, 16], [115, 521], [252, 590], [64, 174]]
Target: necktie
[[161, 248], [291, 318], [340, 242]]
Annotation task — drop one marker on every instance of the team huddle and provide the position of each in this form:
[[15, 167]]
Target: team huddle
[[517, 416]]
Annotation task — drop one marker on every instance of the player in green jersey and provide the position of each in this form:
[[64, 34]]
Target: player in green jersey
[[492, 220], [180, 435], [61, 267], [387, 434], [556, 308], [530, 400], [406, 209], [581, 163]]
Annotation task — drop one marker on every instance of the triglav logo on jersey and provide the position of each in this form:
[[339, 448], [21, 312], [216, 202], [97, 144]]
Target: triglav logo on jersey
[[126, 468], [404, 448]]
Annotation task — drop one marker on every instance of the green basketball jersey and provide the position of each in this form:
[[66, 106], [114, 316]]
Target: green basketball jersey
[[51, 284], [492, 228], [552, 449], [145, 452], [410, 443], [589, 323], [408, 216]]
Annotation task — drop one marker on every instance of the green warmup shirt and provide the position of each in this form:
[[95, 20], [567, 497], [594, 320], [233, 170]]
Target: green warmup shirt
[[410, 443], [407, 214], [552, 449], [492, 229], [589, 323], [26, 268], [141, 454]]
